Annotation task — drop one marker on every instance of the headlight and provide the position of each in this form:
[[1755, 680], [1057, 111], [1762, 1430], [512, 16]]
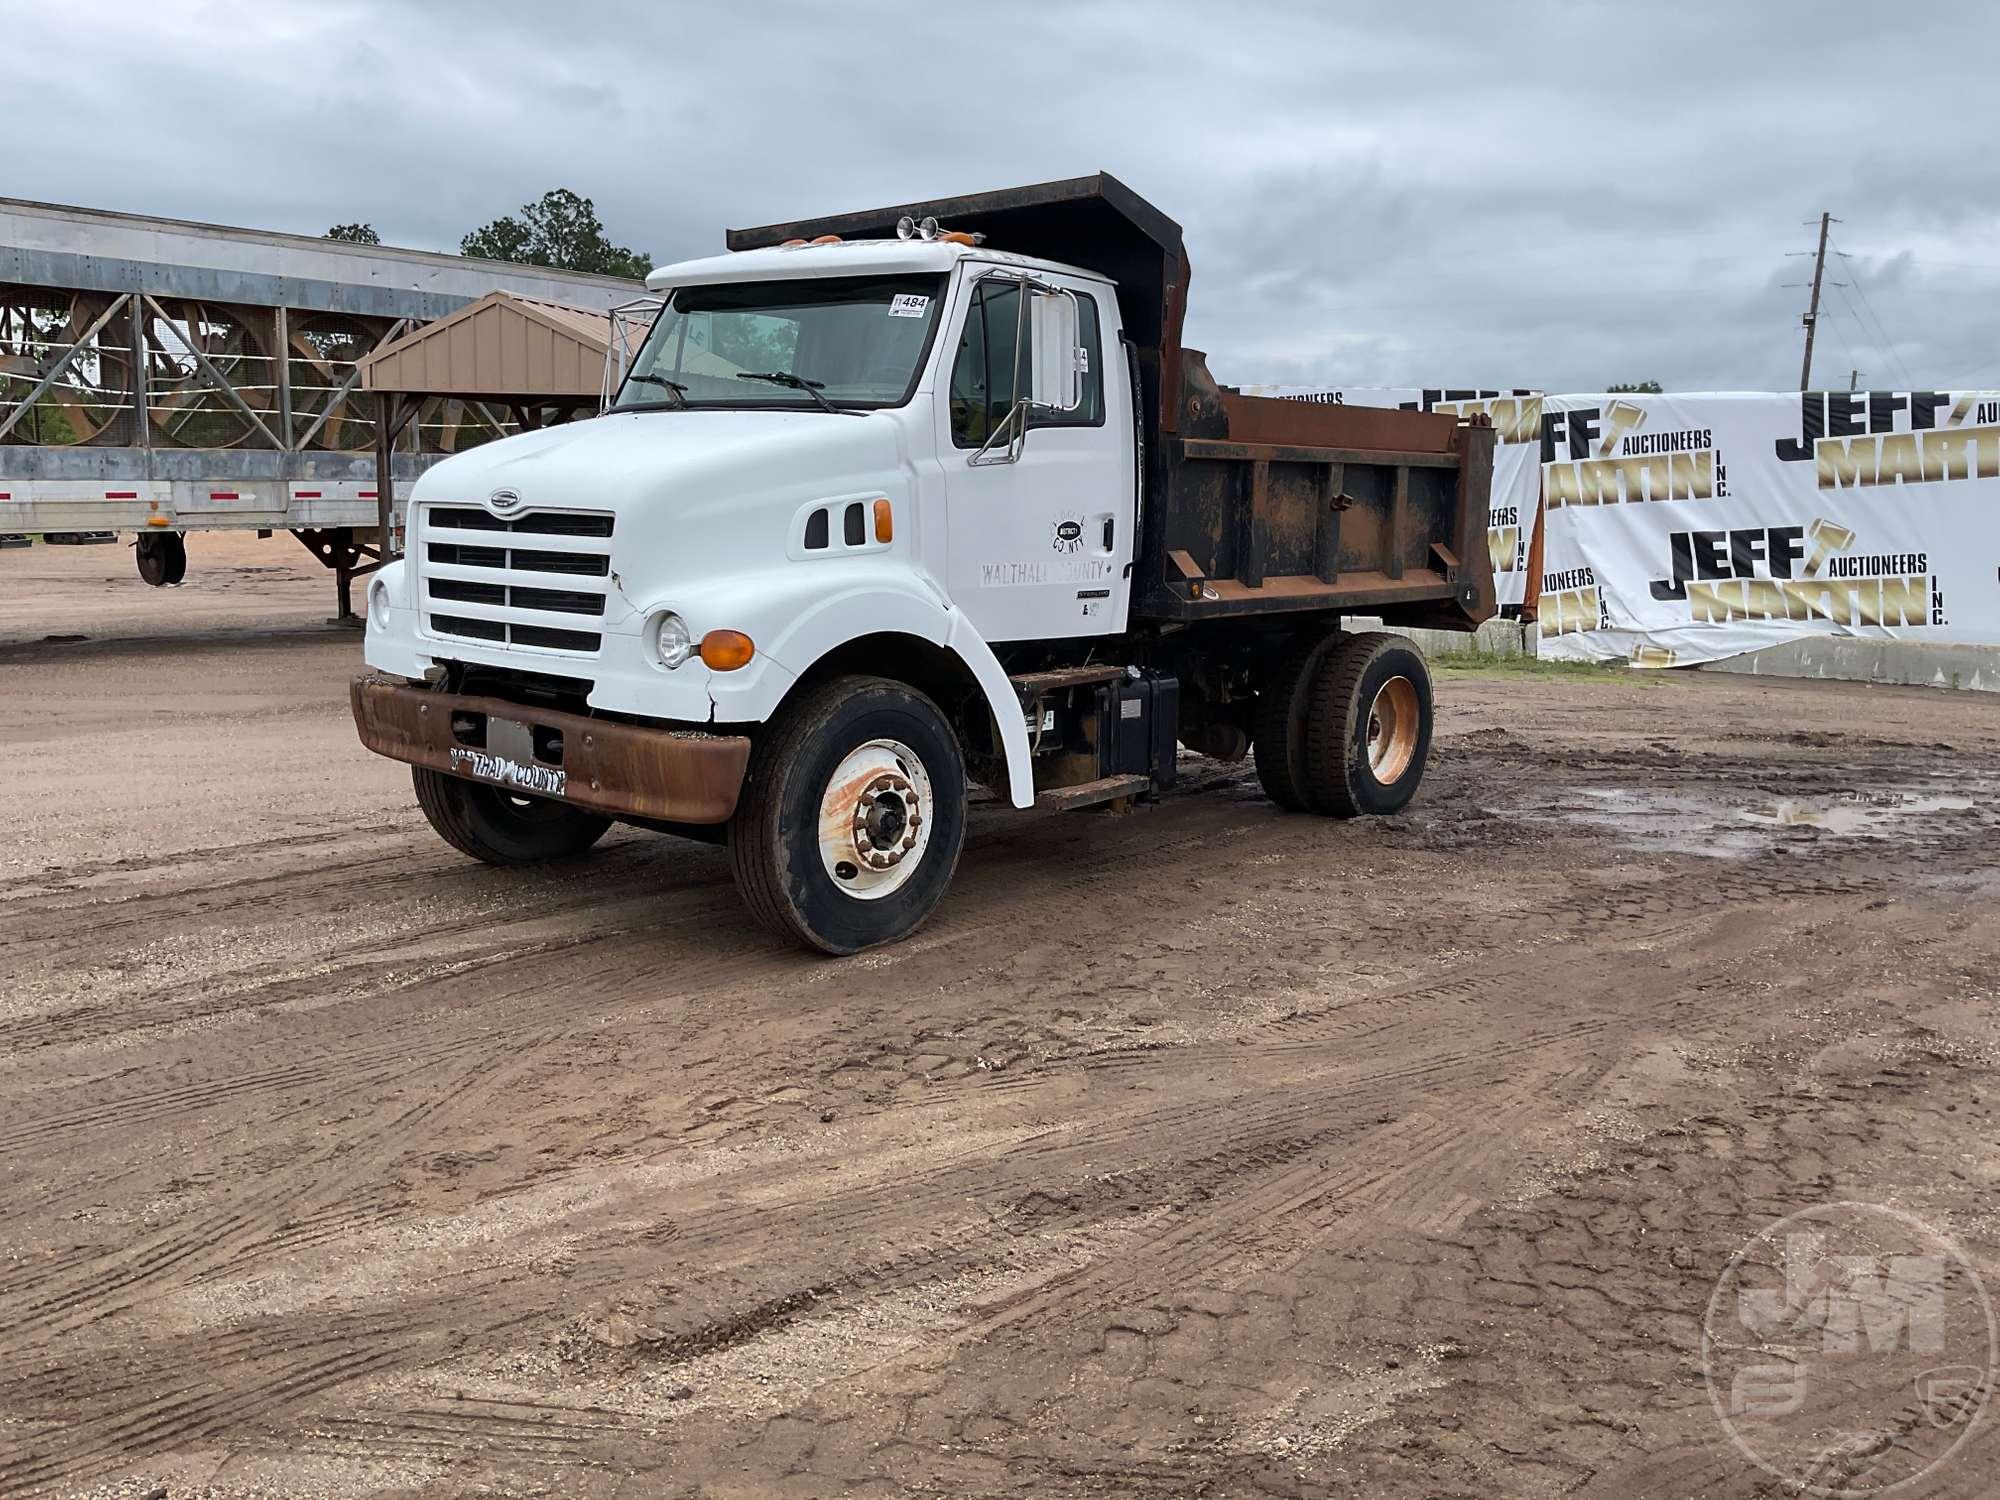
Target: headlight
[[672, 641], [378, 604]]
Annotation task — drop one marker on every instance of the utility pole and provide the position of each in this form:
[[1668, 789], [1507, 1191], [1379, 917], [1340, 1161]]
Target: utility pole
[[1853, 380], [1812, 312]]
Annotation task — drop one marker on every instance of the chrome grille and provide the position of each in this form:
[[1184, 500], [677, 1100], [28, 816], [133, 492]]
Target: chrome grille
[[537, 579]]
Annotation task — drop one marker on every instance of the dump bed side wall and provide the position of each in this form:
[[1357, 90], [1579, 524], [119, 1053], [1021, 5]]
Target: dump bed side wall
[[1269, 506]]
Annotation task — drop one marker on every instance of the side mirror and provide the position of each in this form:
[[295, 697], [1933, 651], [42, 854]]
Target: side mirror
[[1054, 381]]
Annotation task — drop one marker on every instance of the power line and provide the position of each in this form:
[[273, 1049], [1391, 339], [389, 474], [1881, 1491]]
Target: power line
[[1868, 303], [1845, 347], [1880, 336], [1925, 262], [1876, 338], [1969, 382]]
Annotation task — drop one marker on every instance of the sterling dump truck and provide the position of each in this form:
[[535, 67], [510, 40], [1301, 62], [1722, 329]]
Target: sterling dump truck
[[893, 502]]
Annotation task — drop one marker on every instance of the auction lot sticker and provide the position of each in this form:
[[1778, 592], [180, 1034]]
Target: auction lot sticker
[[1850, 1350]]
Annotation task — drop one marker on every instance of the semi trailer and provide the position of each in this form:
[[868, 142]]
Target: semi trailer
[[895, 503]]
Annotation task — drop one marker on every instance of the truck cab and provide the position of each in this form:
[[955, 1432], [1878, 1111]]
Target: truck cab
[[879, 509]]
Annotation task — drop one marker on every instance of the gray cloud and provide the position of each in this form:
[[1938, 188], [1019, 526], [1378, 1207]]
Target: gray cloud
[[1559, 195]]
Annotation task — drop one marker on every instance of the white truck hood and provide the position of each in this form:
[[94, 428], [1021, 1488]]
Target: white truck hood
[[700, 497], [694, 463]]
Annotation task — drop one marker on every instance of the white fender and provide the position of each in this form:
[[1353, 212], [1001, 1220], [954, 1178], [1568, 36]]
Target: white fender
[[887, 608], [970, 647]]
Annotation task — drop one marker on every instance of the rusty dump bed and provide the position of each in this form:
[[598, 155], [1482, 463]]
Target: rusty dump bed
[[1266, 506], [1252, 505]]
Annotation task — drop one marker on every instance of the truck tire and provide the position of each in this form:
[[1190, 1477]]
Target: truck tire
[[851, 816], [1278, 738], [500, 827], [163, 558], [1368, 728]]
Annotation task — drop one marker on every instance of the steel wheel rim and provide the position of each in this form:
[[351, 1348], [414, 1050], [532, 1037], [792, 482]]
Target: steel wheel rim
[[1392, 730], [875, 816]]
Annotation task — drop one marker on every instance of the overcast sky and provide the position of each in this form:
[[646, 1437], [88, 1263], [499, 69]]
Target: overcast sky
[[1552, 195]]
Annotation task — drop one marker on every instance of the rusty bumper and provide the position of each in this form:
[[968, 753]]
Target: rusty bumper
[[625, 770]]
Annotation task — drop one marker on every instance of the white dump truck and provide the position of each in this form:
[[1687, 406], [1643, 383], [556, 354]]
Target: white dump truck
[[893, 503]]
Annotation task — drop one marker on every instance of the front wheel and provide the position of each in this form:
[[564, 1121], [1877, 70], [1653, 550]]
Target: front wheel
[[503, 828], [1368, 729], [851, 817]]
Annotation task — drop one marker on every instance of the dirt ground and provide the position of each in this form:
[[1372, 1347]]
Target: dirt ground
[[1200, 1151]]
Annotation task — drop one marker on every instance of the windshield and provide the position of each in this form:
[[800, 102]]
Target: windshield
[[848, 341]]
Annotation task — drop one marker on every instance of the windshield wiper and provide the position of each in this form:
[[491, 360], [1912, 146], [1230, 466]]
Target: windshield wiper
[[781, 377], [680, 392]]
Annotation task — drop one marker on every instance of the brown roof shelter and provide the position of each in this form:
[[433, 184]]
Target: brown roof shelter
[[542, 360]]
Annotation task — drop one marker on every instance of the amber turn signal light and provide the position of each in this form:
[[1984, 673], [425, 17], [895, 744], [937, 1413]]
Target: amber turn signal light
[[726, 650], [885, 522]]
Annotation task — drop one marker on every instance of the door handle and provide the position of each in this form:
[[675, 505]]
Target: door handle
[[1110, 531]]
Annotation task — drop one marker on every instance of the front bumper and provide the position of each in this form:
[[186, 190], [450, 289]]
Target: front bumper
[[623, 770]]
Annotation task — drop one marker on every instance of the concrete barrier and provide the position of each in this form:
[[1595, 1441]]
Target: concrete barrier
[[1494, 638], [1832, 658], [1847, 658]]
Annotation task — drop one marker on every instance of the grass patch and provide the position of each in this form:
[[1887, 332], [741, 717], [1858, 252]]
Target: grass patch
[[1494, 664]]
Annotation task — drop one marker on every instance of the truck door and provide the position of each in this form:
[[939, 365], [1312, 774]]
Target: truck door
[[1038, 545]]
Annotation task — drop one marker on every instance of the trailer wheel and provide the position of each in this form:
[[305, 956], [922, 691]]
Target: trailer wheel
[[163, 558], [502, 828], [1368, 732], [851, 817], [1279, 735]]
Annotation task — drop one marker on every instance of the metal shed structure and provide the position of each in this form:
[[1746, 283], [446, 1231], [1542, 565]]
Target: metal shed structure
[[160, 376], [545, 362], [207, 373]]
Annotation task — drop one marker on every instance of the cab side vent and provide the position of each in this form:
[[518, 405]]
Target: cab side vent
[[838, 528]]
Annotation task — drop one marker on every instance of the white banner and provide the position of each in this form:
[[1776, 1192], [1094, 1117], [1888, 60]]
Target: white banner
[[1683, 529], [1517, 420]]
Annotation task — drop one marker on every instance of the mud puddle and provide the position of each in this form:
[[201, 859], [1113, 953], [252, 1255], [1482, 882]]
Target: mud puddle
[[1726, 828]]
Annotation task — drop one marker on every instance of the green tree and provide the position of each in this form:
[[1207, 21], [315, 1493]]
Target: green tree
[[562, 231], [355, 234], [1641, 388]]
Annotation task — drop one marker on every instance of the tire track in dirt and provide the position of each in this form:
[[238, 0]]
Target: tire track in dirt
[[1287, 1112], [1270, 1137], [188, 1414], [115, 1282]]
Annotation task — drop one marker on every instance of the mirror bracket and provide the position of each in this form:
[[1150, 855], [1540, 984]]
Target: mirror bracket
[[1013, 429]]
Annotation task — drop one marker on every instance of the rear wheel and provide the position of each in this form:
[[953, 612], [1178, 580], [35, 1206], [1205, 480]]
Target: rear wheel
[[1279, 736], [1368, 727], [852, 816], [500, 827], [163, 558]]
